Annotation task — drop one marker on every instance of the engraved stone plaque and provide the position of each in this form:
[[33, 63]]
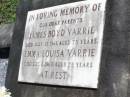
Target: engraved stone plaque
[[62, 45]]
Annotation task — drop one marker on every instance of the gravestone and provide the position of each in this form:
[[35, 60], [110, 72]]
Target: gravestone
[[62, 45], [6, 32], [114, 71]]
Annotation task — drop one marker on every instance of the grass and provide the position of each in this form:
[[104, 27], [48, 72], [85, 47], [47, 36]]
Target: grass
[[7, 11]]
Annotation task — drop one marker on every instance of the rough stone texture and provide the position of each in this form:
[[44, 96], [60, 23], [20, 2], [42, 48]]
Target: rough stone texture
[[6, 32], [114, 76], [3, 71]]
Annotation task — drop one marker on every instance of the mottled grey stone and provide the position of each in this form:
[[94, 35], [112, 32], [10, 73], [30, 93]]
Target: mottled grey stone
[[3, 71], [114, 75]]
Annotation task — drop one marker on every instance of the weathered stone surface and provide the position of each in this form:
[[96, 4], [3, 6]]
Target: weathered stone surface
[[3, 70], [6, 32], [114, 75]]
